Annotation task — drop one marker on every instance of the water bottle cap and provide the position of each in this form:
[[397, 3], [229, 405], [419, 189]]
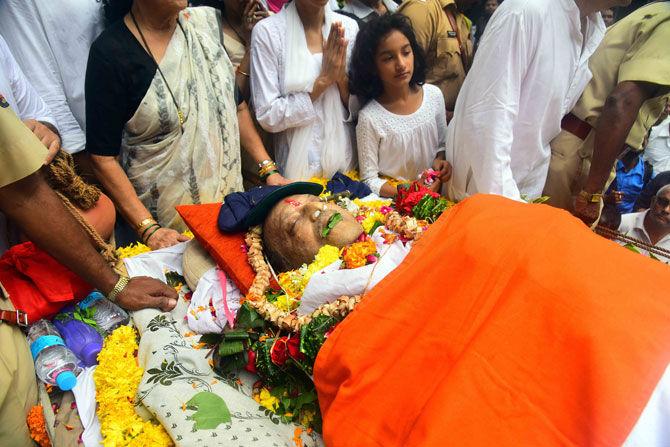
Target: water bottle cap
[[89, 354], [66, 380]]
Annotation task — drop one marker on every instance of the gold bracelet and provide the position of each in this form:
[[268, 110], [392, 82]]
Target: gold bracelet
[[118, 288], [267, 168], [242, 73], [146, 221]]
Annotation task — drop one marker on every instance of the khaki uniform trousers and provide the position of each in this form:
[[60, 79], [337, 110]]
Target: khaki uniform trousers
[[18, 385]]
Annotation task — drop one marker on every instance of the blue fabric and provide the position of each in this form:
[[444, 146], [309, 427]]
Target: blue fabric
[[630, 184], [241, 210], [340, 183]]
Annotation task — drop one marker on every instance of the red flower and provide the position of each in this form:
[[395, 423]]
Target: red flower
[[251, 363], [293, 345], [279, 352], [407, 198]]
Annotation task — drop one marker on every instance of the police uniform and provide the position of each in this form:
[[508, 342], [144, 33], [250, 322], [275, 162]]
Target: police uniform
[[634, 49], [447, 45], [21, 154]]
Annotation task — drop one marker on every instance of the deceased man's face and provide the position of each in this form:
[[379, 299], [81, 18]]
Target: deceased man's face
[[298, 225]]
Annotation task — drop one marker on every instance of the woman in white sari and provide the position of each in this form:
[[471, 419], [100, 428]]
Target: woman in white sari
[[161, 96], [299, 87]]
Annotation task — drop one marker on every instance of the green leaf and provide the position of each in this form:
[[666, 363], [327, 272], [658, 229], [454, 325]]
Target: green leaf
[[376, 225], [334, 220], [230, 348], [632, 248], [210, 411], [211, 339], [248, 318]]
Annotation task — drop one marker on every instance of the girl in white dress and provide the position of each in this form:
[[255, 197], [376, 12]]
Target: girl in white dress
[[401, 130]]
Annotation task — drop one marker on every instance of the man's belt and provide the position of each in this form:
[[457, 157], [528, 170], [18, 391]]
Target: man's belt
[[14, 317], [575, 126]]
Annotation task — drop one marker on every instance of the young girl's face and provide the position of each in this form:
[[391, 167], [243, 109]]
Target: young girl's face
[[394, 60]]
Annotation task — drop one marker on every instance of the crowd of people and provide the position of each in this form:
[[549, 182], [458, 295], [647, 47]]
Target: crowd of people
[[163, 103]]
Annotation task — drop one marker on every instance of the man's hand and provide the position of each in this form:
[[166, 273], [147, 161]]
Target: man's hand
[[614, 198], [47, 136], [164, 237], [588, 212], [143, 292]]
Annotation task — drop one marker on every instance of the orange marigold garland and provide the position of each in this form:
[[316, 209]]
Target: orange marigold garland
[[37, 426]]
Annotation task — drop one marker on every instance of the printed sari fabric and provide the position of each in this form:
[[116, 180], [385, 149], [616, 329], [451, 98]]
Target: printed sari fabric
[[201, 164]]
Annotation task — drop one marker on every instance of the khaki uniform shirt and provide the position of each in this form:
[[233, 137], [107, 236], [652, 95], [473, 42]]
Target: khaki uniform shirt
[[437, 37], [21, 153], [635, 49]]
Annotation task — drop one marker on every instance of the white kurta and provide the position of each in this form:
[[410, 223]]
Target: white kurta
[[529, 71], [50, 40], [281, 114], [632, 224], [657, 152], [400, 146], [18, 92]]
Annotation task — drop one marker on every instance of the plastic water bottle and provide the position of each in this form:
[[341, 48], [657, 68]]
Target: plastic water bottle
[[55, 364], [81, 338], [106, 314]]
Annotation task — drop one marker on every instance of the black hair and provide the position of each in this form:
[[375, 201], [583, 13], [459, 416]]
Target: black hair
[[364, 80], [115, 9]]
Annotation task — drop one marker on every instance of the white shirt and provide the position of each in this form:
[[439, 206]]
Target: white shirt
[[632, 225], [50, 40], [18, 92], [400, 146], [529, 71], [657, 152], [280, 114], [363, 11]]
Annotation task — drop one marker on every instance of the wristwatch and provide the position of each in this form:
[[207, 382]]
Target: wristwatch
[[591, 197]]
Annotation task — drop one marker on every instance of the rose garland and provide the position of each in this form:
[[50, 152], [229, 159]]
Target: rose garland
[[408, 228]]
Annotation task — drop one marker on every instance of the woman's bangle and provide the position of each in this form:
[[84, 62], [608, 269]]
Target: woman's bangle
[[242, 73], [264, 167], [146, 223], [151, 234], [147, 229], [273, 172]]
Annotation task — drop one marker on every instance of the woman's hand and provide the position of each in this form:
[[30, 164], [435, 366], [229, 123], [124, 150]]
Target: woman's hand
[[254, 12], [277, 180], [47, 136], [164, 237], [444, 168], [333, 66]]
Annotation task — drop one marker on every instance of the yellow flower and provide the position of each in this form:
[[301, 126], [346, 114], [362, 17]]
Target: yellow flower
[[117, 378], [131, 250], [307, 418], [356, 254], [266, 400], [286, 303], [294, 282]]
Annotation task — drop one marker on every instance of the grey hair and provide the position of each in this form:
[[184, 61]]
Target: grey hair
[[663, 190]]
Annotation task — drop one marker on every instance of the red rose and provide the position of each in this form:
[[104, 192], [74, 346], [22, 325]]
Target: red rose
[[279, 352], [251, 363], [293, 345]]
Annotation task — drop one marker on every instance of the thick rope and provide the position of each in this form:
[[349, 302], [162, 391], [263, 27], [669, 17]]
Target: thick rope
[[613, 234], [62, 177], [106, 250]]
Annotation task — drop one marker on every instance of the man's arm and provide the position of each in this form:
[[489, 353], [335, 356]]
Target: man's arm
[[44, 219], [618, 116]]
